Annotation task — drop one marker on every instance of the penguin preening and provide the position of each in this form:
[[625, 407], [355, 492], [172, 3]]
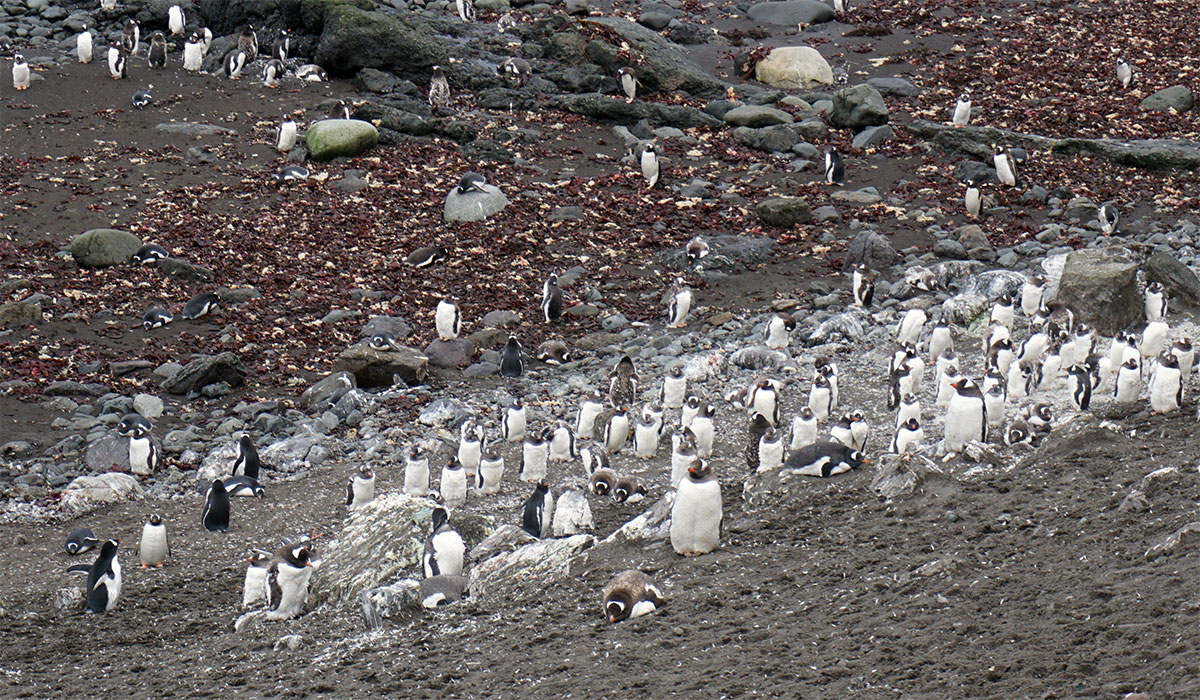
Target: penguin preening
[[778, 331], [153, 547], [444, 548], [835, 169], [631, 594], [697, 512]]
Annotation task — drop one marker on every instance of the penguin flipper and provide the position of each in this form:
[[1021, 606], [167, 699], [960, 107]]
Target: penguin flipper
[[79, 569], [350, 492]]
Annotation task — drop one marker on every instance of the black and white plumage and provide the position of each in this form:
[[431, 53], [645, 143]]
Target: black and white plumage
[[104, 579], [131, 36], [622, 383], [1154, 337], [143, 453], [552, 299], [206, 39], [215, 515], [616, 431], [117, 64], [311, 73], [416, 472], [1079, 386], [538, 514], [757, 427], [248, 43], [1006, 167], [447, 319], [1129, 381], [361, 488], [697, 512], [1033, 292], [628, 489], [1166, 385], [804, 429], [273, 71], [175, 19], [80, 540], [512, 422], [973, 200], [674, 387], [697, 250], [966, 416], [156, 318], [154, 547], [470, 446], [20, 72], [286, 134], [651, 168], [141, 99], [820, 397], [439, 89], [507, 21], [535, 453], [628, 82], [466, 10], [470, 182], [909, 435], [193, 53], [1018, 432], [517, 70], [703, 430], [562, 443], [770, 450], [601, 481], [1155, 301], [764, 399], [233, 64], [243, 487], [512, 362], [824, 459], [150, 253], [287, 578], [835, 168], [778, 333], [631, 594], [444, 548], [452, 485], [589, 410], [254, 586], [1108, 217], [908, 329], [862, 285], [427, 256], [1002, 311], [83, 45], [200, 305], [645, 437], [282, 46], [962, 111], [156, 55], [1185, 353], [246, 463], [1124, 73], [679, 305], [490, 471]]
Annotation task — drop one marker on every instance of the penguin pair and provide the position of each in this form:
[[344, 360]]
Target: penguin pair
[[143, 453], [103, 588]]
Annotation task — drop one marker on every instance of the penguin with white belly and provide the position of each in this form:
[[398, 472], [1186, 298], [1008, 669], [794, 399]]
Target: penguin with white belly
[[697, 512], [444, 548]]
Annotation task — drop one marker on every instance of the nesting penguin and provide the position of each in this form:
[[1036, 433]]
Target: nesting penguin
[[104, 579], [200, 305], [361, 488], [427, 256], [243, 487], [439, 89], [444, 548], [141, 99], [551, 299], [512, 363], [153, 547], [311, 73], [650, 165], [835, 169], [539, 511], [215, 515], [697, 512], [824, 459], [631, 594], [80, 540], [962, 111]]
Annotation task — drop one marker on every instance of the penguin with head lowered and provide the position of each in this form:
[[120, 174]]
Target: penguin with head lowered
[[444, 548], [104, 579], [631, 594], [80, 540]]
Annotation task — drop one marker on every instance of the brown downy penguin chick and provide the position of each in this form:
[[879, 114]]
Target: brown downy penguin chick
[[631, 594], [758, 426], [288, 575], [622, 383]]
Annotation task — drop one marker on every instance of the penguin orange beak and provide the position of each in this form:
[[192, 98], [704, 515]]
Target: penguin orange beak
[[612, 618], [865, 460]]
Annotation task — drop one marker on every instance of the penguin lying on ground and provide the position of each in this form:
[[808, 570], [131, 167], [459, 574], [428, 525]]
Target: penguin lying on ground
[[631, 594]]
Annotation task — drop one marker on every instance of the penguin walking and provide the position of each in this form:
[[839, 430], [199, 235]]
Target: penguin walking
[[361, 488], [273, 71], [254, 586], [157, 54], [512, 424], [286, 134], [1124, 73], [193, 53], [835, 169], [84, 45], [909, 436], [175, 20], [966, 416], [631, 594], [80, 540], [143, 453], [444, 548], [1166, 385], [622, 383], [215, 515], [804, 429], [512, 363], [962, 111], [447, 319], [779, 331], [650, 165], [439, 89], [616, 431], [282, 46], [1108, 216], [539, 511], [416, 472], [234, 63], [824, 459], [199, 306], [104, 579], [490, 471], [453, 485], [153, 547], [243, 487], [287, 575], [551, 299], [589, 410], [535, 452], [862, 285], [116, 61], [679, 304], [1006, 167], [629, 83], [697, 512], [1155, 301]]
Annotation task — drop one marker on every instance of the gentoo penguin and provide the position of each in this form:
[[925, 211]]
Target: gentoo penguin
[[697, 512], [490, 471], [1129, 381], [689, 411], [311, 73], [824, 459], [108, 5], [908, 435], [860, 430], [993, 403], [679, 304], [215, 515], [416, 472], [156, 318], [758, 426], [908, 330], [233, 64], [820, 398], [1079, 386], [272, 72], [248, 43], [83, 45], [1016, 384], [921, 278], [200, 305], [1084, 341], [1002, 311], [1166, 385], [427, 256], [287, 576], [80, 540], [804, 429], [285, 135], [517, 70], [470, 446], [616, 431], [562, 443], [512, 363], [683, 455], [141, 99], [840, 431], [439, 89], [629, 83], [697, 250], [628, 489], [1155, 302], [622, 383], [1034, 345], [973, 200], [770, 450], [674, 388], [453, 485], [282, 46], [243, 487], [206, 39], [645, 437], [193, 58], [962, 111], [1017, 433], [360, 490], [862, 285], [153, 547], [593, 457], [910, 407], [778, 332], [835, 169], [513, 422], [447, 319], [466, 10], [601, 481], [175, 19], [702, 430], [507, 21], [940, 341], [631, 594], [254, 587], [1032, 293], [551, 299], [150, 253], [539, 511], [1108, 216], [842, 5], [1124, 73], [339, 109], [246, 463], [116, 61], [1006, 167], [1040, 416], [763, 399], [826, 367], [470, 182], [1154, 337], [444, 548], [437, 591], [589, 410], [1001, 355], [1185, 354], [534, 454], [966, 416], [143, 454], [104, 579], [131, 36], [157, 54], [650, 164]]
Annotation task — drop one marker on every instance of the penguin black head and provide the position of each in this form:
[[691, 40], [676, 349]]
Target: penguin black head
[[133, 425], [693, 402], [765, 384], [155, 519], [542, 487], [365, 472], [807, 413], [857, 416], [1168, 359], [382, 342], [440, 517], [856, 459], [617, 608], [699, 470], [470, 182], [912, 424], [414, 451]]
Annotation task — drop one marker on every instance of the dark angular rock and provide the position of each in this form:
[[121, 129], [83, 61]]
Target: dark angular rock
[[205, 370], [183, 270], [857, 107], [871, 249], [1180, 281], [784, 212], [373, 368], [450, 354]]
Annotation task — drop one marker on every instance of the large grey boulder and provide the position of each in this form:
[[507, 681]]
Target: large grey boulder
[[756, 116], [375, 368], [870, 248], [506, 538], [205, 370], [104, 247], [1100, 286], [340, 138], [87, 493], [857, 107], [327, 390], [792, 12], [299, 452], [450, 354], [109, 452], [1180, 281], [474, 205], [1176, 97], [395, 325], [794, 67], [532, 567], [784, 212], [772, 139], [664, 66]]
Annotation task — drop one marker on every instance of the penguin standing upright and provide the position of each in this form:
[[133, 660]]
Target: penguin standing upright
[[1185, 353], [674, 388], [215, 515], [909, 435], [539, 511], [282, 46], [1006, 167], [246, 463], [513, 422], [153, 548], [439, 89], [470, 446], [1032, 293], [287, 576], [453, 485], [1155, 301], [1002, 311], [993, 404], [804, 429], [285, 135], [490, 471], [966, 416], [444, 548], [416, 472], [143, 453], [758, 426], [622, 383], [1079, 386], [862, 285], [254, 586], [1166, 385], [131, 36], [534, 454], [631, 594], [679, 304], [697, 512], [193, 53], [562, 443], [650, 164], [512, 362], [248, 43], [908, 330], [1129, 381], [116, 61], [629, 83], [175, 20], [910, 407], [80, 540], [940, 342], [779, 331], [645, 438], [820, 398], [1108, 217], [1124, 73], [447, 319], [835, 169], [361, 488], [703, 431], [157, 54], [551, 299], [83, 45], [764, 399], [826, 367], [962, 111], [770, 450], [973, 200], [589, 410], [616, 431], [104, 579], [1154, 336]]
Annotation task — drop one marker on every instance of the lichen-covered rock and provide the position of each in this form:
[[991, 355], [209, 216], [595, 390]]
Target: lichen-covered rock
[[794, 67], [757, 116], [537, 565], [758, 357], [340, 138], [572, 514], [86, 493], [104, 247]]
